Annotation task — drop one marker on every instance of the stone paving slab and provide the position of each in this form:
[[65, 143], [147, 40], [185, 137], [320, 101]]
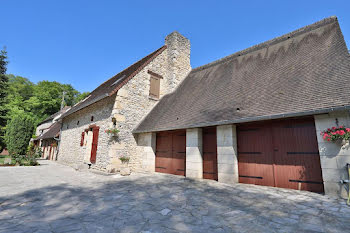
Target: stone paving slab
[[56, 198]]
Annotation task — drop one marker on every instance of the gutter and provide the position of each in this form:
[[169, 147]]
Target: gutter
[[251, 119]]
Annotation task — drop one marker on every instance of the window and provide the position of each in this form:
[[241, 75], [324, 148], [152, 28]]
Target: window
[[92, 118], [154, 87]]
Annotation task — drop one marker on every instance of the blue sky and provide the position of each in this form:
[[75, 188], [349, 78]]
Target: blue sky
[[84, 43]]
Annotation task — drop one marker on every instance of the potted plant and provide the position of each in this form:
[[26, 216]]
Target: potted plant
[[124, 170], [113, 131], [339, 134]]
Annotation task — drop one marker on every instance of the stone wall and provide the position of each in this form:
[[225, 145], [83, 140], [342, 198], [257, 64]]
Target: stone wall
[[147, 148], [70, 151], [133, 102], [129, 106], [334, 156]]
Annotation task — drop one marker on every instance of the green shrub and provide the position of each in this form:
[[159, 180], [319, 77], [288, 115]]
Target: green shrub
[[18, 134]]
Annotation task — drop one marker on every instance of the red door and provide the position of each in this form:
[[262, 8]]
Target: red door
[[210, 164], [280, 153], [179, 152], [255, 160], [171, 152], [296, 157], [164, 155], [95, 131]]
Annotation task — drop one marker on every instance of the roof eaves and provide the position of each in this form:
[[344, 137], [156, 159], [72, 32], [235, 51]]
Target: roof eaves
[[251, 119]]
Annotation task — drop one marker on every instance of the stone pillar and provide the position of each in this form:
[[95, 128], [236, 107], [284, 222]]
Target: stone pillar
[[227, 154], [194, 153], [148, 143], [333, 156]]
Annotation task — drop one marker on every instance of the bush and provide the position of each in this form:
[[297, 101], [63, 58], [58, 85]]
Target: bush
[[18, 134]]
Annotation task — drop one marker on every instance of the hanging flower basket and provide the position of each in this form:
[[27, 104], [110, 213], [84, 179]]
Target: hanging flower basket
[[339, 134], [113, 132]]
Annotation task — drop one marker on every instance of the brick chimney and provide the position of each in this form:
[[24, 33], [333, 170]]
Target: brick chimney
[[178, 58]]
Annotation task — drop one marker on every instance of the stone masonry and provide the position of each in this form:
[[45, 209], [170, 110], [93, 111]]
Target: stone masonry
[[334, 156], [70, 151], [194, 153], [129, 106], [133, 101], [227, 153]]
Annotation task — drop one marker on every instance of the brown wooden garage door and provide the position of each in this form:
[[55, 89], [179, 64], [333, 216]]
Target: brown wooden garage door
[[210, 164], [281, 154], [171, 152]]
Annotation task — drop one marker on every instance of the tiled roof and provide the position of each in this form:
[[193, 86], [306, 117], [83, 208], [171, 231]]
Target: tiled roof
[[303, 72], [53, 131], [50, 118], [112, 85]]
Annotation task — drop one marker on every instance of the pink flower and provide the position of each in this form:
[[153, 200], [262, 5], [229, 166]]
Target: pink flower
[[334, 128], [328, 139], [347, 129]]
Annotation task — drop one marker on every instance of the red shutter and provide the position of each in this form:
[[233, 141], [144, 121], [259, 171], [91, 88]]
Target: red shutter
[[82, 139], [94, 144]]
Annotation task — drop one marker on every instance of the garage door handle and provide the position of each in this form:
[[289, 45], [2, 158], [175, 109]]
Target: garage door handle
[[275, 149]]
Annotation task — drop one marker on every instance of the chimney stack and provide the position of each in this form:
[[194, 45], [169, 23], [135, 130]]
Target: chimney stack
[[178, 58]]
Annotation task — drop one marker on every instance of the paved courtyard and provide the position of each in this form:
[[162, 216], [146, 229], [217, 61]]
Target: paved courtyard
[[56, 198]]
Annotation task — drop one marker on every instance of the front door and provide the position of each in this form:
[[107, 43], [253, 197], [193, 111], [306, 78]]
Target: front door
[[95, 132]]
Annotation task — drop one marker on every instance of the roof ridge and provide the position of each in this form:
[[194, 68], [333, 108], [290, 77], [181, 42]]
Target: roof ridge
[[273, 41]]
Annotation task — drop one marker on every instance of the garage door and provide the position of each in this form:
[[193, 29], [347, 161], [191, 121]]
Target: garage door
[[281, 154], [171, 152], [210, 165]]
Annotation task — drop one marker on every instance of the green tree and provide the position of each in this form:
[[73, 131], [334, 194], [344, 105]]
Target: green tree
[[3, 94], [18, 134]]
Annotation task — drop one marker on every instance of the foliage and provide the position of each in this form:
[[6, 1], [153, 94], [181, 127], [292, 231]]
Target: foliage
[[124, 159], [3, 96], [34, 151], [18, 133], [82, 96], [112, 131], [336, 133], [38, 101]]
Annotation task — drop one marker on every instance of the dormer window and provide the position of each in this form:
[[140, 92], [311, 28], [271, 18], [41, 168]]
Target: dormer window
[[154, 90]]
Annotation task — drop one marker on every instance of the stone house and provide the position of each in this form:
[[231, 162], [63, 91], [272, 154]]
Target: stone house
[[253, 117], [120, 103], [47, 134]]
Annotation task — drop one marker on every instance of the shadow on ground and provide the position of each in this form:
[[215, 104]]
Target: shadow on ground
[[164, 203]]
